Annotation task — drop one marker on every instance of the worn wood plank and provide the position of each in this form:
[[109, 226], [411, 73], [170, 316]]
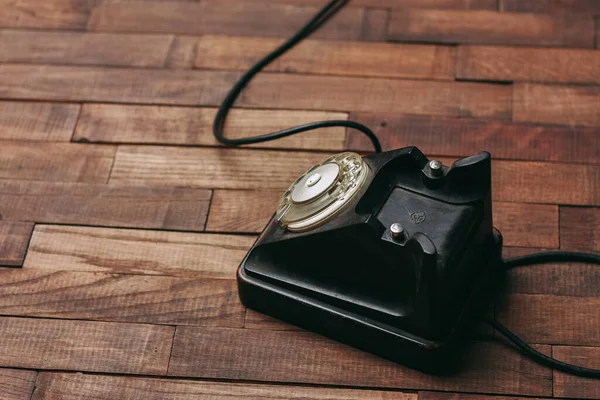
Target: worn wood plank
[[303, 357], [579, 228], [182, 52], [14, 239], [489, 27], [101, 387], [257, 320], [194, 126], [552, 319], [423, 395], [16, 384], [568, 105], [267, 90], [378, 95], [121, 297], [68, 162], [48, 14], [105, 205], [220, 17], [117, 85], [565, 279], [85, 345], [530, 225], [450, 136], [124, 251], [590, 7], [570, 386], [78, 48], [211, 167], [499, 63], [37, 121], [374, 25], [393, 4], [329, 57]]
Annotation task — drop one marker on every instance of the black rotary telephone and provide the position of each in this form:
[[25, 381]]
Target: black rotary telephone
[[392, 253]]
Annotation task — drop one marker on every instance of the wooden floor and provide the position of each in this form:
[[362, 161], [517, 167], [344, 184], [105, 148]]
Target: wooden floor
[[122, 221]]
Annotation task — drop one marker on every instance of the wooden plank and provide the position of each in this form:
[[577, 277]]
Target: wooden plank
[[267, 90], [464, 396], [257, 320], [570, 386], [66, 248], [85, 345], [437, 4], [527, 225], [331, 57], [579, 228], [105, 205], [67, 162], [194, 126], [102, 387], [551, 319], [374, 26], [14, 239], [37, 121], [460, 137], [182, 53], [16, 384], [565, 279], [568, 105], [117, 85], [530, 225], [500, 63], [489, 27], [120, 297], [590, 7], [77, 48], [45, 14], [241, 17], [378, 95], [211, 167], [304, 357]]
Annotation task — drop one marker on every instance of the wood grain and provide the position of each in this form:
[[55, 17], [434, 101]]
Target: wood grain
[[97, 387], [241, 17], [16, 384], [500, 63], [329, 57], [267, 90], [14, 239], [449, 136], [194, 126], [552, 319], [46, 14], [77, 48], [571, 386], [565, 279], [105, 205], [242, 210], [374, 26], [67, 162], [527, 225], [84, 345], [257, 320], [567, 105], [437, 4], [116, 85], [464, 396], [37, 121], [211, 167], [125, 251], [551, 6], [579, 228], [489, 27], [377, 95], [124, 298], [182, 53], [284, 356]]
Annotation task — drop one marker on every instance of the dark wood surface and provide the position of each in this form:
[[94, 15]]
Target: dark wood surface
[[122, 220]]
